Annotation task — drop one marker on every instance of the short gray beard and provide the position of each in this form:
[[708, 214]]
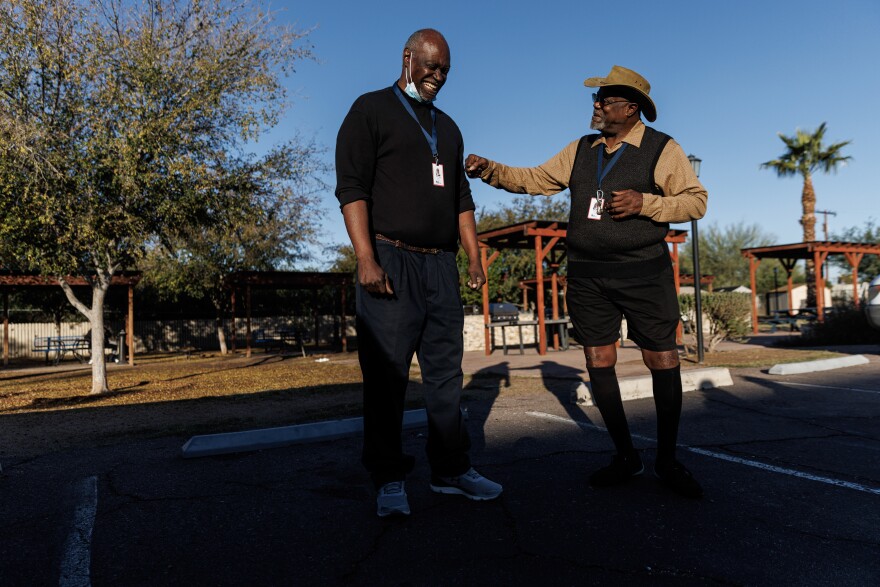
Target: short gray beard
[[597, 125]]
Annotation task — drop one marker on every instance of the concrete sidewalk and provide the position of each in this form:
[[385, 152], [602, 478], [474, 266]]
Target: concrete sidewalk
[[570, 364]]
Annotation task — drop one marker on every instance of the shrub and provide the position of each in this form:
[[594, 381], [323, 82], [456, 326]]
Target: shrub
[[727, 315]]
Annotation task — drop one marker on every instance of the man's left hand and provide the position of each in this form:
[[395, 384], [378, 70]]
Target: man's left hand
[[476, 277], [624, 203]]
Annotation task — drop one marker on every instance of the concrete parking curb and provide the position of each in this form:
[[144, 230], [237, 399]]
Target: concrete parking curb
[[642, 386], [820, 365], [249, 440]]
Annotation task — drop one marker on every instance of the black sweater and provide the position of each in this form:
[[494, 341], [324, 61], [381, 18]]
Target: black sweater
[[383, 157]]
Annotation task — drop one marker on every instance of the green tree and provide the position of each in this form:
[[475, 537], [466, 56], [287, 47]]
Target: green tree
[[720, 255], [345, 260], [124, 124], [869, 268], [805, 155]]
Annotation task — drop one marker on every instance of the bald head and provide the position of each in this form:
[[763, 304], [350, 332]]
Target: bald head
[[421, 36]]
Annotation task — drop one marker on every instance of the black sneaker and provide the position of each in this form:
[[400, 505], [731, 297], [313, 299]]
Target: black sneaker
[[679, 479], [621, 470]]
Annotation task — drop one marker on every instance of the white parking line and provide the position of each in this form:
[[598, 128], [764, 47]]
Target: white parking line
[[826, 386], [722, 456], [77, 550]]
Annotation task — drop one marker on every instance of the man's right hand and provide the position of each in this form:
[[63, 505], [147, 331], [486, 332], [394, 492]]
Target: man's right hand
[[373, 279], [475, 165]]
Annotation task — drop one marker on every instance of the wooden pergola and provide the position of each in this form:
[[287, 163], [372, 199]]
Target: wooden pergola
[[284, 280], [818, 251], [547, 239], [10, 280]]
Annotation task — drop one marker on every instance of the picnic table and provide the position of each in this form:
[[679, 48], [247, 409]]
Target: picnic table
[[792, 318], [561, 326], [78, 346], [280, 339]]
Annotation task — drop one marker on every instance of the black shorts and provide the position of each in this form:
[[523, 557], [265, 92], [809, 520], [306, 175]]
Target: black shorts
[[650, 304]]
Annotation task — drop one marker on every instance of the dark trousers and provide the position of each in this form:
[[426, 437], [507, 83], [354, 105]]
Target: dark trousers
[[423, 316]]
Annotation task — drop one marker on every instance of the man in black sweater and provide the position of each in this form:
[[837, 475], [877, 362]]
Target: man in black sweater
[[406, 202]]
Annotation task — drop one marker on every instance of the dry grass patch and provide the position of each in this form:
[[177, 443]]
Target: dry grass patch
[[48, 410], [165, 378]]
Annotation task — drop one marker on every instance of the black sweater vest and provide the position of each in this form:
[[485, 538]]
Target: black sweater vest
[[615, 248]]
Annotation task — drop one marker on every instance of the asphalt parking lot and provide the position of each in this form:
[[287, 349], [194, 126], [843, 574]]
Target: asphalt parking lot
[[790, 465]]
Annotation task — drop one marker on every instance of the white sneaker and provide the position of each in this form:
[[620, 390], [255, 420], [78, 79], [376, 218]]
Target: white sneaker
[[472, 485], [392, 500]]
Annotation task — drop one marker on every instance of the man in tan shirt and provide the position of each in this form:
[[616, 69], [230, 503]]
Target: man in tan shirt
[[627, 183]]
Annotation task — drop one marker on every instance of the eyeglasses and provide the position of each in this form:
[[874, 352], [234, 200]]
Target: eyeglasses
[[604, 101]]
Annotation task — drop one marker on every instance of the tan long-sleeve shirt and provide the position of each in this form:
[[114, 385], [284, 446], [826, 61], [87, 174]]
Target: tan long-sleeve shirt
[[684, 197]]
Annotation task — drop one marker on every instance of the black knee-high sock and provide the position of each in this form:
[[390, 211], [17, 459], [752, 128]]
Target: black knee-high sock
[[606, 394], [667, 399]]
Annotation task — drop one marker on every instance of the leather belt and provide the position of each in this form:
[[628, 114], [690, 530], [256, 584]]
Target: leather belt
[[406, 247]]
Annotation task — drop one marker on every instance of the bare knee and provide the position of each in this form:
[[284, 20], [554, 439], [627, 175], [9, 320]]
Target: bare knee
[[601, 356], [658, 360]]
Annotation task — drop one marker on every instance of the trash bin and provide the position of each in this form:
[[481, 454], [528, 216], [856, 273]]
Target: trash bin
[[120, 346]]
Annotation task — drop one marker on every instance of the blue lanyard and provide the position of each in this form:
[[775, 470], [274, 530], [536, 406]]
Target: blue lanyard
[[432, 138], [601, 173]]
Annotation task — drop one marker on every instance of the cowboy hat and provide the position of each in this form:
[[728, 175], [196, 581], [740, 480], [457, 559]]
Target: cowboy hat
[[621, 76]]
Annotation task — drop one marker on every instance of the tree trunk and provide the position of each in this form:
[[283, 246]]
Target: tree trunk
[[100, 283], [221, 334], [808, 221], [96, 320]]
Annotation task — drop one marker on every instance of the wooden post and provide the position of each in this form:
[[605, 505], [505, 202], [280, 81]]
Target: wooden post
[[819, 258], [539, 286], [317, 315], [232, 304], [753, 269], [487, 331], [5, 327], [130, 329], [854, 260], [247, 322], [554, 289], [342, 312]]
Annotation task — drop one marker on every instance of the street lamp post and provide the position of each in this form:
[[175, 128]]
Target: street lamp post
[[695, 247]]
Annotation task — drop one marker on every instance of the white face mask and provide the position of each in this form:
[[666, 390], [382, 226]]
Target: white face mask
[[410, 88]]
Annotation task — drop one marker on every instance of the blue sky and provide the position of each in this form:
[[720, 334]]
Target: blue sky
[[726, 78]]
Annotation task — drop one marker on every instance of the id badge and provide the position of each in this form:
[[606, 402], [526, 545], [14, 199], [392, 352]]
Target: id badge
[[595, 211], [437, 173]]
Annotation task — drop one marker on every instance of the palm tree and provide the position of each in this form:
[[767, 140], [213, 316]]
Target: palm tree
[[806, 155]]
